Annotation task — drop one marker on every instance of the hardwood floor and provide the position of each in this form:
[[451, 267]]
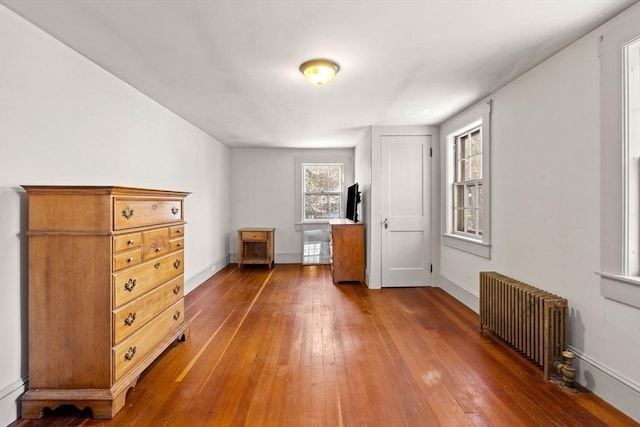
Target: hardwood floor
[[287, 347]]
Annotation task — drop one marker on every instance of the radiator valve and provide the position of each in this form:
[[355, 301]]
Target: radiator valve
[[568, 372]]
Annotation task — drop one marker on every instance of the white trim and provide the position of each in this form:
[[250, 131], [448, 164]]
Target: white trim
[[459, 292], [631, 153], [478, 115], [203, 275], [9, 400], [467, 244], [623, 289], [607, 384]]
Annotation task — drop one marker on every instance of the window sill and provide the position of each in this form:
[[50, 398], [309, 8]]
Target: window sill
[[465, 244], [624, 289]]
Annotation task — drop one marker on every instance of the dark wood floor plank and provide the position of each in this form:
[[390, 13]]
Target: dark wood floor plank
[[287, 347]]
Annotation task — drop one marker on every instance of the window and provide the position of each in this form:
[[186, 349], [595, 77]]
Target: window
[[619, 54], [467, 185], [466, 209], [322, 191]]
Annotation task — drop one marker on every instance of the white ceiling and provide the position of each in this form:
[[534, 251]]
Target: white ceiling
[[230, 67]]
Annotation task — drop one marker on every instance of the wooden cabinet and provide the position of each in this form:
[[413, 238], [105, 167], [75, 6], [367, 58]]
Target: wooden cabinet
[[106, 292], [255, 246], [347, 251]]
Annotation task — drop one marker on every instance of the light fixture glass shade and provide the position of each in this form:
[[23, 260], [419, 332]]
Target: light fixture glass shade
[[319, 71]]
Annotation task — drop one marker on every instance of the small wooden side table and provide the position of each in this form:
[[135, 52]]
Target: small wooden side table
[[255, 246]]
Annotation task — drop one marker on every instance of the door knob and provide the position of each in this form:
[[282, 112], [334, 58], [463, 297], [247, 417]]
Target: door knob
[[386, 223]]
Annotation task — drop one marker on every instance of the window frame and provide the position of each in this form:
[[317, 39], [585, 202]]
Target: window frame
[[620, 166], [339, 193], [463, 179], [478, 116]]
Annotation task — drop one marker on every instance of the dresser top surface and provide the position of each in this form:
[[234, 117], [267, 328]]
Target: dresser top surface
[[107, 190]]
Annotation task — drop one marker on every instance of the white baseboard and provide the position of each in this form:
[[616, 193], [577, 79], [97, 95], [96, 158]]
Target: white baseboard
[[10, 401], [459, 292], [199, 278], [603, 381]]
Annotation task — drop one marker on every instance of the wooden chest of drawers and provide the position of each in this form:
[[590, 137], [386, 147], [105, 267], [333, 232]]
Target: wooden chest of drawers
[[106, 297], [347, 251]]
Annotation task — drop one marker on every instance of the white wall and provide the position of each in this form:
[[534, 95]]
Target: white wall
[[263, 188], [546, 179], [64, 120], [362, 166]]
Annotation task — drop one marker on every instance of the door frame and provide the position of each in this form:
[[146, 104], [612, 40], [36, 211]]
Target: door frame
[[376, 222]]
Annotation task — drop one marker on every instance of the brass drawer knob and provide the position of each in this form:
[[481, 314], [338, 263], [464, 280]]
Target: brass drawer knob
[[176, 289], [130, 260], [130, 242], [130, 319], [129, 354], [175, 210], [156, 265], [176, 315], [176, 264], [130, 285]]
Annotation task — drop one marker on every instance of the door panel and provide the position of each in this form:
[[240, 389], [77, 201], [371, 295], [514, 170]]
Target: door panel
[[406, 257]]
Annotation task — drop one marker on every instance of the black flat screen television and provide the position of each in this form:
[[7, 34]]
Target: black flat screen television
[[353, 198]]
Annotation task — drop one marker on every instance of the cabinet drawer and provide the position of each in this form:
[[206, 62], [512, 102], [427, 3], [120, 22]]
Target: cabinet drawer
[[127, 354], [126, 259], [176, 245], [134, 282], [254, 235], [155, 243], [126, 242], [129, 213], [134, 315], [176, 231]]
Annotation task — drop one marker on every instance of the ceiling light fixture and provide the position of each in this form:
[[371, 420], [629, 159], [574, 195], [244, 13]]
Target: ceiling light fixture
[[319, 71]]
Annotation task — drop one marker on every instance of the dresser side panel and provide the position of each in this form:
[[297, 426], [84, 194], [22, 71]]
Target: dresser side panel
[[69, 311]]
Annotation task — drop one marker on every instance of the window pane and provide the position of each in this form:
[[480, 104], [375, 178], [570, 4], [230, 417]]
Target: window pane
[[475, 143], [462, 170], [463, 147], [470, 199], [476, 168], [480, 202], [459, 196], [334, 178], [322, 178], [321, 206], [459, 220], [470, 221]]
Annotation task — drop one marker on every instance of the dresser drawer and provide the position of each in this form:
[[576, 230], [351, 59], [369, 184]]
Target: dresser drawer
[[176, 231], [129, 213], [155, 243], [127, 259], [127, 354], [134, 315], [176, 245], [126, 242], [134, 282], [254, 235]]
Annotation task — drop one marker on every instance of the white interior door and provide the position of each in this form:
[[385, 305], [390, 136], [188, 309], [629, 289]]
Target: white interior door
[[406, 257]]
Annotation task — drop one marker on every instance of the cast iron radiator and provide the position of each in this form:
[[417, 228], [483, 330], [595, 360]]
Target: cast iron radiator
[[530, 319]]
